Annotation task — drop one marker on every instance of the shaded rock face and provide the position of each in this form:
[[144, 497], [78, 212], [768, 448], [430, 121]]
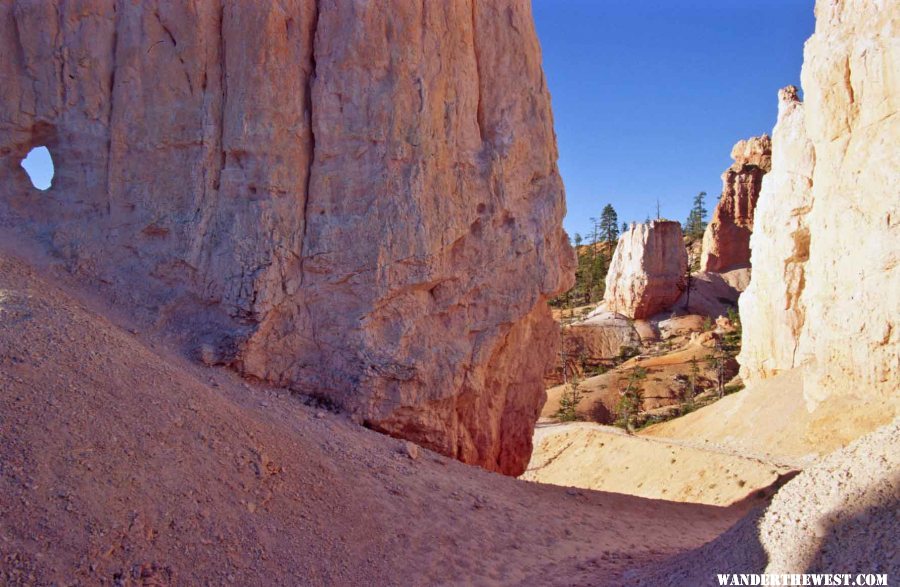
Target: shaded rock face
[[726, 242], [357, 201], [825, 292], [647, 271], [714, 294], [592, 342], [599, 338]]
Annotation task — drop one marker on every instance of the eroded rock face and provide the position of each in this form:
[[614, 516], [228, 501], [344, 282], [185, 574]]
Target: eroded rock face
[[647, 271], [726, 242], [356, 201], [772, 310], [600, 337], [825, 292]]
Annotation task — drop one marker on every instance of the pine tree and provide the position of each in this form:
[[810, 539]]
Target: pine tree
[[571, 396], [609, 224], [631, 402], [718, 362], [578, 289], [693, 266], [569, 401], [696, 220]]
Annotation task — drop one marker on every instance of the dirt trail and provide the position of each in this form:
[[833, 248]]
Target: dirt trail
[[598, 457], [121, 461], [771, 421]]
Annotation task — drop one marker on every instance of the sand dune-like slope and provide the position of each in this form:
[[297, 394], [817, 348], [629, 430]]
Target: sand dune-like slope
[[598, 457], [841, 515], [770, 420], [121, 461]]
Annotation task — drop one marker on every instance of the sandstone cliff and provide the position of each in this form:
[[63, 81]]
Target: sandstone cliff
[[825, 292], [647, 271], [726, 242], [355, 200]]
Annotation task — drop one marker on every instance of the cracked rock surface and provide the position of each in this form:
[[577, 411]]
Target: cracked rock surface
[[357, 202]]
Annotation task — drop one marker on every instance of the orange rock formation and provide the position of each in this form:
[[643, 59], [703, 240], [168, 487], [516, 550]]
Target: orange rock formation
[[357, 201]]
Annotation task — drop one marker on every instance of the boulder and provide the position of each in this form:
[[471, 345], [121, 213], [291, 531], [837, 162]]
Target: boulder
[[713, 294], [647, 271], [356, 200], [601, 336], [681, 325], [726, 241]]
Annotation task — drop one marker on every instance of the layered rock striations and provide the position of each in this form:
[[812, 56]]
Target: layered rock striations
[[647, 271], [726, 241], [355, 201], [825, 292]]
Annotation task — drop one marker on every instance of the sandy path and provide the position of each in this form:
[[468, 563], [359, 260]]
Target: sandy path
[[598, 457]]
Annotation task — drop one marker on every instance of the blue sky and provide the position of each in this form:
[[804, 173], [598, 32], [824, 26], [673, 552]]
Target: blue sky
[[650, 96], [39, 166]]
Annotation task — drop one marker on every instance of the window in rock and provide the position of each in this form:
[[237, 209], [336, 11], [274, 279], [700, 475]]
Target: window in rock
[[39, 166]]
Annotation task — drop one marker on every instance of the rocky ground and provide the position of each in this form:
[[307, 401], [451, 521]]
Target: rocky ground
[[122, 462], [840, 515]]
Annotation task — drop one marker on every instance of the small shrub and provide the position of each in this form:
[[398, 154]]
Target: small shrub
[[632, 401], [568, 403], [729, 389], [626, 352]]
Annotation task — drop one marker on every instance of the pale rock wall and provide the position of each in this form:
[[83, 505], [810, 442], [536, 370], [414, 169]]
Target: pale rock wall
[[772, 312], [647, 271], [825, 291], [359, 200], [726, 241]]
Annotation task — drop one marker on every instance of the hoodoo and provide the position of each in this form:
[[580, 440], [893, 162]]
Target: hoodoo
[[647, 271], [825, 292], [358, 202], [726, 242]]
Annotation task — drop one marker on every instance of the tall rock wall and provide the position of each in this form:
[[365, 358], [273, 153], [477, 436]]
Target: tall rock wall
[[772, 312], [825, 291], [359, 200], [647, 271], [726, 241]]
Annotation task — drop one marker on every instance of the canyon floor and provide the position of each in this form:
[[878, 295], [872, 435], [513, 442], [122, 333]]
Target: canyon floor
[[123, 462], [592, 456]]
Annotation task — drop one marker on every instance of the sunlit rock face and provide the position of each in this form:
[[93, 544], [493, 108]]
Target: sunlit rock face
[[825, 290], [647, 271], [726, 241], [772, 311], [355, 200]]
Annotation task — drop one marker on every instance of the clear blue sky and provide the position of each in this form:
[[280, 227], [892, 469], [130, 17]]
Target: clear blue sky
[[650, 96], [39, 166]]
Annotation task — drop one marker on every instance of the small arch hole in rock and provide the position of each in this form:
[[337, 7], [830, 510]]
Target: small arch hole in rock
[[38, 164]]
